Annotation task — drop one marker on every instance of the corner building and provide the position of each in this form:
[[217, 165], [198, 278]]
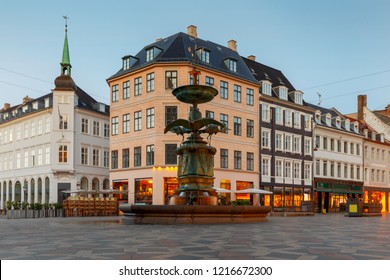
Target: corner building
[[143, 158], [54, 143]]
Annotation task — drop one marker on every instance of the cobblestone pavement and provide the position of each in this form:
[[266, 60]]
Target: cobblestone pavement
[[323, 237]]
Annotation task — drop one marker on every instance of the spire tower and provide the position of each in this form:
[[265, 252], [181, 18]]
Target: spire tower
[[65, 63]]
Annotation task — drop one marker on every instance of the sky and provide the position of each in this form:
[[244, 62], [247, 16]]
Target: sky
[[336, 48]]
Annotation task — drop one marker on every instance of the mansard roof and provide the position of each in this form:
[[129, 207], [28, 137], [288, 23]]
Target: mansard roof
[[85, 101], [176, 48]]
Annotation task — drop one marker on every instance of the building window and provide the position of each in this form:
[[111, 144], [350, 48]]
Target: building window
[[149, 154], [265, 139], [126, 123], [266, 88], [332, 166], [170, 114], [209, 114], [223, 91], [283, 93], [137, 156], [40, 128], [150, 118], [345, 171], [26, 159], [96, 128], [231, 64], [339, 170], [339, 146], [126, 90], [249, 97], [278, 115], [297, 144], [307, 171], [47, 155], [278, 141], [224, 158], [225, 121], [63, 154], [265, 113], [95, 157], [250, 161], [106, 156], [307, 122], [287, 117], [345, 147], [352, 173], [287, 169], [137, 121], [250, 128], [325, 143], [114, 125], [297, 170], [204, 55], [318, 167], [278, 168], [150, 82], [209, 81], [237, 126], [106, 130], [114, 159], [170, 79], [265, 167], [237, 160], [298, 98], [325, 168], [149, 54], [125, 158], [287, 142], [352, 148], [307, 146], [138, 86], [84, 125], [296, 119], [237, 93], [63, 124], [170, 154], [114, 93], [84, 156]]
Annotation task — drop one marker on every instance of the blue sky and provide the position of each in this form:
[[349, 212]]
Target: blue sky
[[337, 48]]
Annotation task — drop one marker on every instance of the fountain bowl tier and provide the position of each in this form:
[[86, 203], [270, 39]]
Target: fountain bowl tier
[[195, 94], [193, 214]]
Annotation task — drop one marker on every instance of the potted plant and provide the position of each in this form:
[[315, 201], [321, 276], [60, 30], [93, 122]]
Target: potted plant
[[8, 206], [38, 206], [46, 207], [58, 209], [24, 206], [32, 209], [16, 209]]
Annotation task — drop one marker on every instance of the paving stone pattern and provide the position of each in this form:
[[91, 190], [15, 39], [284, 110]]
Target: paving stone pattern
[[319, 237]]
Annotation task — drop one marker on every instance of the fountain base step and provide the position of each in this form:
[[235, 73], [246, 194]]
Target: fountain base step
[[194, 214]]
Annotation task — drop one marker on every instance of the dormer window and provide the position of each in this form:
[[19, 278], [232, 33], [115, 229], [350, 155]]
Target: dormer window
[[356, 127], [328, 119], [266, 88], [347, 125], [231, 64], [318, 117], [204, 55], [35, 105], [373, 135], [297, 96], [382, 138], [152, 53], [126, 63], [338, 122], [282, 91]]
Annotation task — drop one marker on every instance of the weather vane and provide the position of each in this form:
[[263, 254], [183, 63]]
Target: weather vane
[[66, 23]]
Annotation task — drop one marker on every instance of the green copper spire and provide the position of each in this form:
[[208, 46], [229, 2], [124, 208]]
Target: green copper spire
[[65, 63]]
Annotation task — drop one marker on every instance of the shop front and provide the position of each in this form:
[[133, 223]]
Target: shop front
[[332, 195], [143, 191], [121, 186], [377, 196], [289, 199]]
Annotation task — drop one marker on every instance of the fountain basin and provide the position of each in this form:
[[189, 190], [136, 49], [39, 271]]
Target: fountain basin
[[194, 214]]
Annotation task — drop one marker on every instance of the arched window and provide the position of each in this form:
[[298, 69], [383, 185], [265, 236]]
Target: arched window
[[47, 189]]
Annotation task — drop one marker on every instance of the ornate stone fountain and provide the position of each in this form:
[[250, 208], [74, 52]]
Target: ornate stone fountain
[[195, 200]]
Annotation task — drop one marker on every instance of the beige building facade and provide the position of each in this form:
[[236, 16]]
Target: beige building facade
[[143, 158]]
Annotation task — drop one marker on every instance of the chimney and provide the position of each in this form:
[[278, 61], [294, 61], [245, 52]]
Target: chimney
[[26, 99], [232, 44], [362, 102], [191, 30], [158, 39], [388, 110], [252, 57], [6, 106]]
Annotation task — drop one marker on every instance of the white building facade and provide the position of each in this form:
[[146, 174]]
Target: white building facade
[[53, 143]]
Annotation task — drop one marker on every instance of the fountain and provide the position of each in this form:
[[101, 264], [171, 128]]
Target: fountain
[[195, 200]]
